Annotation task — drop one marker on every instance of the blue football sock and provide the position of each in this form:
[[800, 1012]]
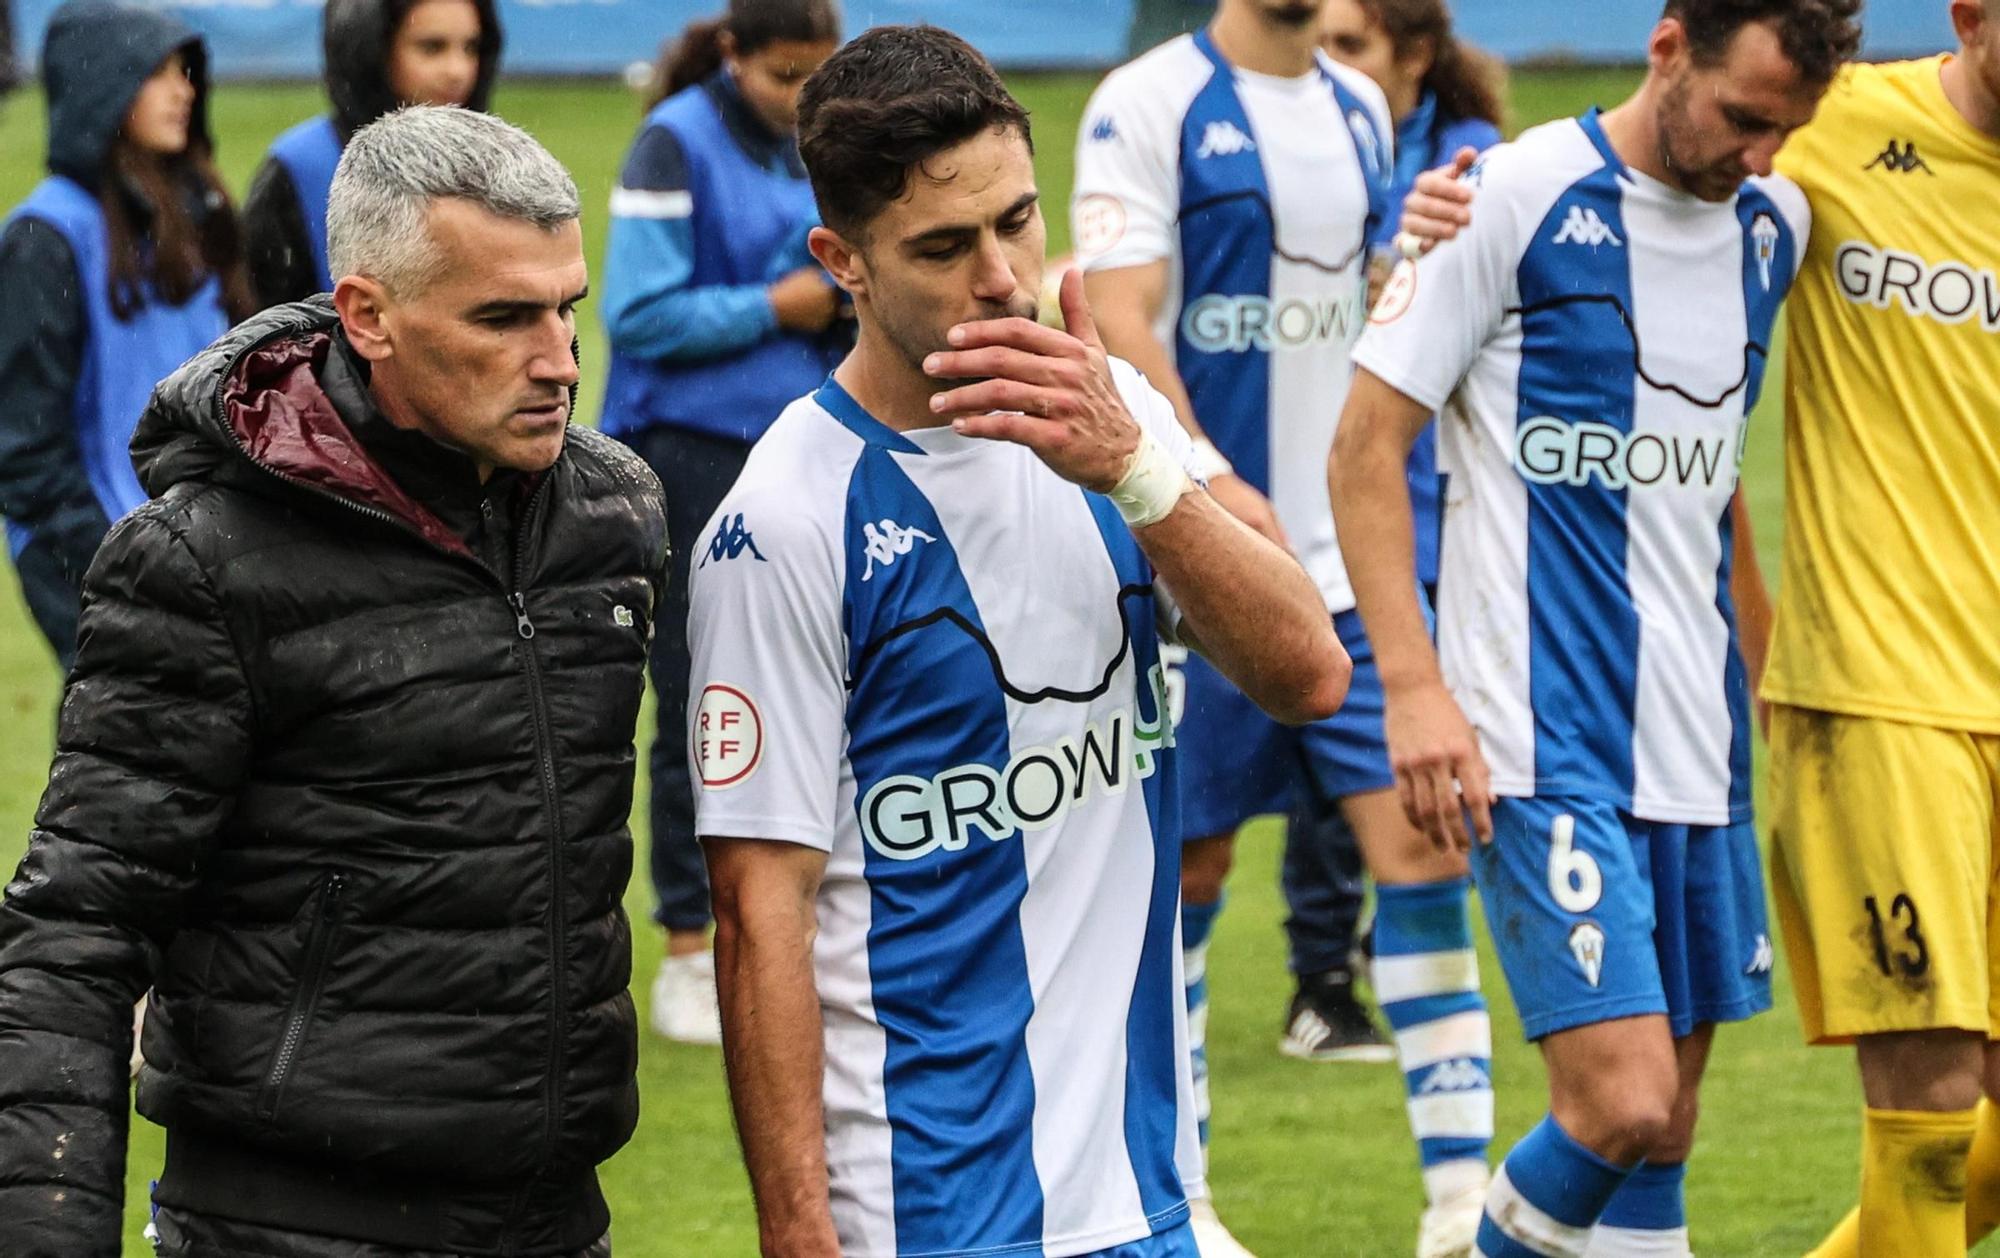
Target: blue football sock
[[1426, 978], [1647, 1218], [1546, 1196], [1197, 923]]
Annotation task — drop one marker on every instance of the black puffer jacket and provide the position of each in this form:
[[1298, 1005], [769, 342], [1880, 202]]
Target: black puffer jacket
[[357, 36], [354, 803]]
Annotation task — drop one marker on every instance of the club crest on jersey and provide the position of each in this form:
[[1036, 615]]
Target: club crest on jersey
[[885, 542], [1762, 958], [1365, 141], [907, 817], [1584, 227], [1224, 139], [1764, 237], [1586, 944], [1104, 130]]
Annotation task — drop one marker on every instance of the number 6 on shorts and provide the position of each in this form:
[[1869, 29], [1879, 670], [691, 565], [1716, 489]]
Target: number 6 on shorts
[[1574, 878]]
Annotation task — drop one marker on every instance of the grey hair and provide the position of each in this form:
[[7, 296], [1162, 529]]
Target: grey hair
[[393, 169]]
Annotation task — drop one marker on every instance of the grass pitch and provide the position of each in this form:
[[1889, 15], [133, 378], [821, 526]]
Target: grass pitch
[[1310, 1160]]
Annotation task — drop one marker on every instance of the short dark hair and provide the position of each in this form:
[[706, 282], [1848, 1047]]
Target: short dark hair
[[1818, 36], [891, 100]]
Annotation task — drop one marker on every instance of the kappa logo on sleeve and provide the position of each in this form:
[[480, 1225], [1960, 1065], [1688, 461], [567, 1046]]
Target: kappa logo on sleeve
[[728, 736], [885, 544], [1584, 227], [731, 539], [1224, 139]]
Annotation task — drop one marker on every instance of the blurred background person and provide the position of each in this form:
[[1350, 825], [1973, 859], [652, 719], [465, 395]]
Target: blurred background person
[[718, 318], [1227, 184], [10, 73], [1444, 96], [379, 54], [121, 264]]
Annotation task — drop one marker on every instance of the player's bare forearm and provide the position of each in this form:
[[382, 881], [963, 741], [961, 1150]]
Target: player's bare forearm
[[1441, 777], [1251, 610], [773, 1051], [1378, 539]]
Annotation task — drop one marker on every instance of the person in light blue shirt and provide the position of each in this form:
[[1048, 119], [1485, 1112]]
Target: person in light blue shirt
[[718, 318]]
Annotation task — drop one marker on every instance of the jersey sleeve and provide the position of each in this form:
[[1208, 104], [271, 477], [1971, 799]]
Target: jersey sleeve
[[1125, 203], [767, 692], [1436, 314]]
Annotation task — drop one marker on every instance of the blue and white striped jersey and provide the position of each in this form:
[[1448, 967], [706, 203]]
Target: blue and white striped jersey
[[932, 658], [1594, 345], [1261, 192]]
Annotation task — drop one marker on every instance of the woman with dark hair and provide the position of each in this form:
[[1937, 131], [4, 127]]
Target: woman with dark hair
[[1444, 96], [122, 264], [718, 319], [379, 56]]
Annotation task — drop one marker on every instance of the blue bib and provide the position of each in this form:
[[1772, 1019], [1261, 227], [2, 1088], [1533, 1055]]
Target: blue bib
[[122, 359], [310, 153]]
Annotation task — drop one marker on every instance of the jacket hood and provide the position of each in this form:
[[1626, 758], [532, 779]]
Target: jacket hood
[[358, 36], [96, 55], [254, 397]]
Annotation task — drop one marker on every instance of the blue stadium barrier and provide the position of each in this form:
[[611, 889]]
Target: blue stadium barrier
[[280, 38]]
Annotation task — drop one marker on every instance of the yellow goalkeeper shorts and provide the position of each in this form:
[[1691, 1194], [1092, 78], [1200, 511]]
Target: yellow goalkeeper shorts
[[1882, 866]]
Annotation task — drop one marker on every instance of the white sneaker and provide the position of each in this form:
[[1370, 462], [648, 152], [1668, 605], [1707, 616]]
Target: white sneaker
[[1450, 1227], [1210, 1237], [684, 1008]]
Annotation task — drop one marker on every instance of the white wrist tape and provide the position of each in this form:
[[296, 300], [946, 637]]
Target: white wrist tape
[[1208, 462], [1153, 483]]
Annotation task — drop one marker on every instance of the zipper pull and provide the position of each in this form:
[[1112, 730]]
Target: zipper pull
[[522, 625], [330, 893]]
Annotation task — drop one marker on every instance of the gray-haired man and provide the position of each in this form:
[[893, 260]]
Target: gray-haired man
[[345, 762]]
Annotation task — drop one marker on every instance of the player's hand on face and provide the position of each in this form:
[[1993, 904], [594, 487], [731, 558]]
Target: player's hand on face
[[1439, 205], [1047, 389], [1240, 498], [1440, 774]]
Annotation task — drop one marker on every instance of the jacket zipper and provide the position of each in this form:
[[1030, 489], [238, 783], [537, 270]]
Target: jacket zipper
[[524, 627], [312, 977]]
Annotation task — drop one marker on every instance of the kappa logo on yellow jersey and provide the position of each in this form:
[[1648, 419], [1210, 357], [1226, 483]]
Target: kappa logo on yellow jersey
[[1901, 158]]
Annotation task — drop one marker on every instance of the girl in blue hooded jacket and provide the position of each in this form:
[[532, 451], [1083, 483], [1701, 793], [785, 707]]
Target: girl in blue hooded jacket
[[127, 260]]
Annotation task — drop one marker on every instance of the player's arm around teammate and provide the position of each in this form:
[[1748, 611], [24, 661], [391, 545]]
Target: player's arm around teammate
[[1440, 774]]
